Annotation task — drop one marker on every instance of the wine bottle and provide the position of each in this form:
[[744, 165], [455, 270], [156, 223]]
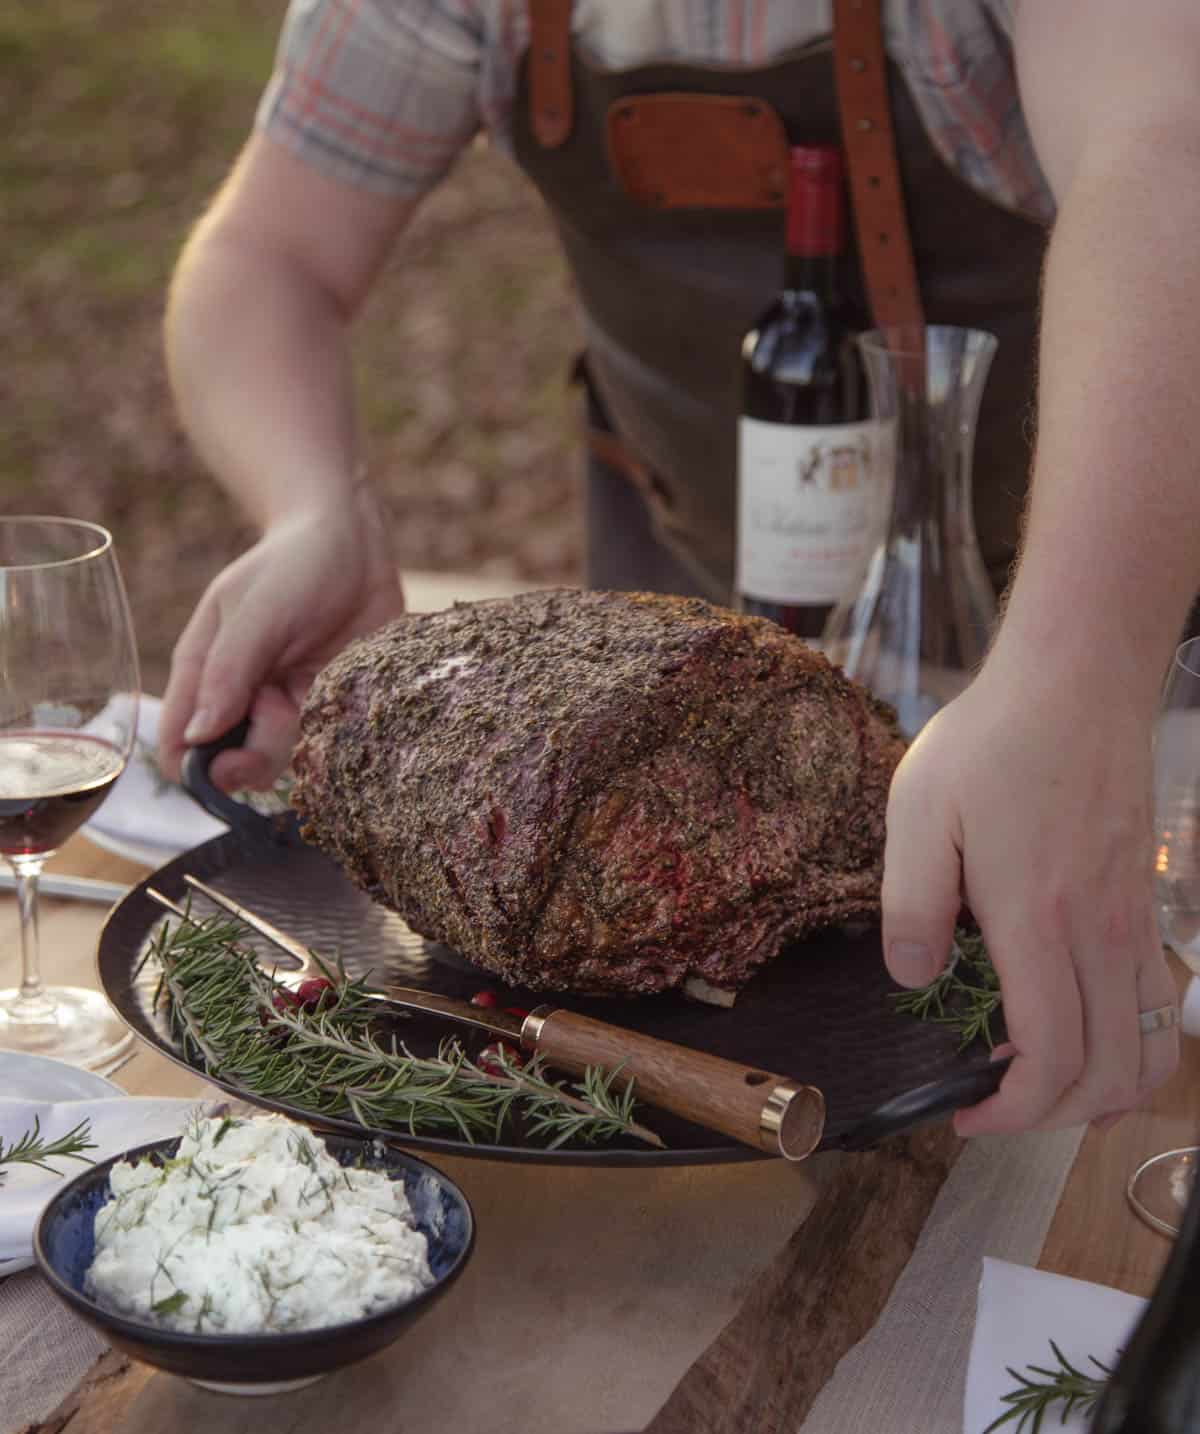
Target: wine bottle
[[1155, 1387], [809, 499]]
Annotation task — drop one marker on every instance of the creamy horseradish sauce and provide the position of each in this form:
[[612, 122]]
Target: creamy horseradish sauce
[[254, 1227]]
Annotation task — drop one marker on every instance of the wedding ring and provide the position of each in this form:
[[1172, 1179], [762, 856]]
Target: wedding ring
[[1162, 1018]]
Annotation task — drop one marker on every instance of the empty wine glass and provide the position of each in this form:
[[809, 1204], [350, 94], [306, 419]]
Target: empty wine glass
[[1160, 1187], [68, 716]]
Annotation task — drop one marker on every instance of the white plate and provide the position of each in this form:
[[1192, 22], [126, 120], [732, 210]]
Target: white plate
[[40, 1078], [141, 852]]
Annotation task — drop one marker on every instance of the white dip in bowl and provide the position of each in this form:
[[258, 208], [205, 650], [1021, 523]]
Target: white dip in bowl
[[254, 1227]]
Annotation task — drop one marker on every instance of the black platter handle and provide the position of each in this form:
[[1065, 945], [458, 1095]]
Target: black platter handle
[[926, 1103], [201, 787]]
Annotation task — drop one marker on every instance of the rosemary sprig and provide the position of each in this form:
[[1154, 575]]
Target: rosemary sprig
[[965, 996], [604, 1109], [329, 1062], [1066, 1385], [31, 1149]]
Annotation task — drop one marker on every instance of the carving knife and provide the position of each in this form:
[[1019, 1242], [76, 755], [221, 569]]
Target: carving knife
[[768, 1112]]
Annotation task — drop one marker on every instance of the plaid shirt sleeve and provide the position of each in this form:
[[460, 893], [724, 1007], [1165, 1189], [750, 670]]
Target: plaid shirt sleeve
[[958, 62], [380, 93]]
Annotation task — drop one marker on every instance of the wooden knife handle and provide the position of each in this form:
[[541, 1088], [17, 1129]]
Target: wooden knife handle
[[766, 1111]]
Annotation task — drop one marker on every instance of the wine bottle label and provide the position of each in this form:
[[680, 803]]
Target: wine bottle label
[[812, 504]]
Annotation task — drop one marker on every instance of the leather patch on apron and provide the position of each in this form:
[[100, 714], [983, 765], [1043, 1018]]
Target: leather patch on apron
[[693, 151]]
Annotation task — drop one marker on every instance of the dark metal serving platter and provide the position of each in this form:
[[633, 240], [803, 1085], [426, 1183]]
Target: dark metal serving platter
[[821, 1012]]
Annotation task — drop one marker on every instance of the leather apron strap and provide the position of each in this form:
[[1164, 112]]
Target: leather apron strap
[[552, 103], [869, 141]]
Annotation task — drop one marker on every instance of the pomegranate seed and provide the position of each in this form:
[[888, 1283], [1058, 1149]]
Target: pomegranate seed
[[519, 1011], [485, 998], [490, 1057], [285, 1001], [310, 994]]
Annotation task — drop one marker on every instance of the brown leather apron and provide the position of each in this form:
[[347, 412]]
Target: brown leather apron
[[668, 293]]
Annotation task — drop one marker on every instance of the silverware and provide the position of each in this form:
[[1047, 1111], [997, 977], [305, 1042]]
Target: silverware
[[72, 888], [768, 1112]]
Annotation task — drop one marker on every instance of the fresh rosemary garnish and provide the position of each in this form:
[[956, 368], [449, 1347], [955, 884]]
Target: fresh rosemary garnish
[[238, 1022], [31, 1149], [1066, 1385], [964, 997]]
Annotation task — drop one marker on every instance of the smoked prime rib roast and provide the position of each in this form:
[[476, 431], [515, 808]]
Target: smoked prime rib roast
[[599, 792]]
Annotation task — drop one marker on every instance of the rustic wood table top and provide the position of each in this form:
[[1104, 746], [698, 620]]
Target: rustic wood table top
[[578, 1215]]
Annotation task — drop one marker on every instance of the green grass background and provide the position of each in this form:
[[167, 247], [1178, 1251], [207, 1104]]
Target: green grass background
[[118, 119]]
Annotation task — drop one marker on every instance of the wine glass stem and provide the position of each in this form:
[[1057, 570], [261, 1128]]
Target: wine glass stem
[[33, 1003]]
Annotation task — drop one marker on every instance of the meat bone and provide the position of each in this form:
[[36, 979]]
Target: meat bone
[[768, 1112]]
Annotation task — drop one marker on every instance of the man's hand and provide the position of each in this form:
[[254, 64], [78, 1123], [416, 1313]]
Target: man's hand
[[1029, 797], [1033, 807], [257, 354], [264, 628]]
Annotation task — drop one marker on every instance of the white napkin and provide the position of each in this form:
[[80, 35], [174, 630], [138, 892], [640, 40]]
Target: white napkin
[[142, 806], [1019, 1312], [117, 1124]]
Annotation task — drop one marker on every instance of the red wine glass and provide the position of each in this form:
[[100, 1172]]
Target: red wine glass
[[68, 718]]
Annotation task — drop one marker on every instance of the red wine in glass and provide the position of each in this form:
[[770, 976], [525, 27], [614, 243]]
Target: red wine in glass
[[59, 779]]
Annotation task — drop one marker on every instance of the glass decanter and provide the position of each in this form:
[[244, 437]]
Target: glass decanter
[[919, 623]]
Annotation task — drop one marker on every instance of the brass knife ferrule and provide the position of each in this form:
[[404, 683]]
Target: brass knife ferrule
[[531, 1026], [792, 1121]]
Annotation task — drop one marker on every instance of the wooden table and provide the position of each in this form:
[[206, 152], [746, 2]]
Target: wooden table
[[1093, 1236]]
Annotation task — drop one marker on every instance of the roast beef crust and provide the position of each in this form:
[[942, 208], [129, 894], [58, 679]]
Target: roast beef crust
[[599, 792]]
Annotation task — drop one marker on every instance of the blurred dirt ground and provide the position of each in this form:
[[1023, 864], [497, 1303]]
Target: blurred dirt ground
[[117, 120]]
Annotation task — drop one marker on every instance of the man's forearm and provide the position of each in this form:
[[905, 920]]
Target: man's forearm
[[1111, 555], [259, 368]]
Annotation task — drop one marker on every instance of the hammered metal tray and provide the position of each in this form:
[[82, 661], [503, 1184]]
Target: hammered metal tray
[[821, 1012]]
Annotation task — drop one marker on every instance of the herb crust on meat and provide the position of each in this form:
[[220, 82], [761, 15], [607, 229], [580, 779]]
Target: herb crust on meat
[[599, 792]]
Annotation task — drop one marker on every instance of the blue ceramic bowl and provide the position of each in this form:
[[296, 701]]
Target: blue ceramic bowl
[[63, 1245]]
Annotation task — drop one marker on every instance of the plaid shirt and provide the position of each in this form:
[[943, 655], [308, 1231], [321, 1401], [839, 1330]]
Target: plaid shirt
[[385, 93]]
